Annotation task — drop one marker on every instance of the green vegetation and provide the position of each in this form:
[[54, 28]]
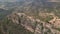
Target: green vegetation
[[9, 27], [48, 18], [57, 29]]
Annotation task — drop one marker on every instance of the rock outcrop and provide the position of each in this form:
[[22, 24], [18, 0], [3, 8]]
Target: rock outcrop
[[33, 24]]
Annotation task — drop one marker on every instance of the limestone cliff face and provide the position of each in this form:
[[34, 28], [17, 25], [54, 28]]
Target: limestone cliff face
[[33, 24]]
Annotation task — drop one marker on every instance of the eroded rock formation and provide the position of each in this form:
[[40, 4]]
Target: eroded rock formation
[[35, 25]]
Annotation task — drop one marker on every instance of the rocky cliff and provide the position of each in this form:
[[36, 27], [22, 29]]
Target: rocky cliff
[[35, 25]]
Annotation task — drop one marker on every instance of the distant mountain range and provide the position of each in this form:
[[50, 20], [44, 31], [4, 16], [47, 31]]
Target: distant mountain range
[[45, 3], [8, 0], [28, 0]]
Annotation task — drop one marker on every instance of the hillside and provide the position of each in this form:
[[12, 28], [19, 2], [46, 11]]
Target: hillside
[[35, 25], [29, 17]]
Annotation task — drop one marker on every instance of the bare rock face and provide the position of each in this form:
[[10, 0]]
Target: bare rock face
[[55, 21], [33, 24]]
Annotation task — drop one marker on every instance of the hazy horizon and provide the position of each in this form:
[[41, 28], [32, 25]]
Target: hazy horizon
[[26, 0]]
